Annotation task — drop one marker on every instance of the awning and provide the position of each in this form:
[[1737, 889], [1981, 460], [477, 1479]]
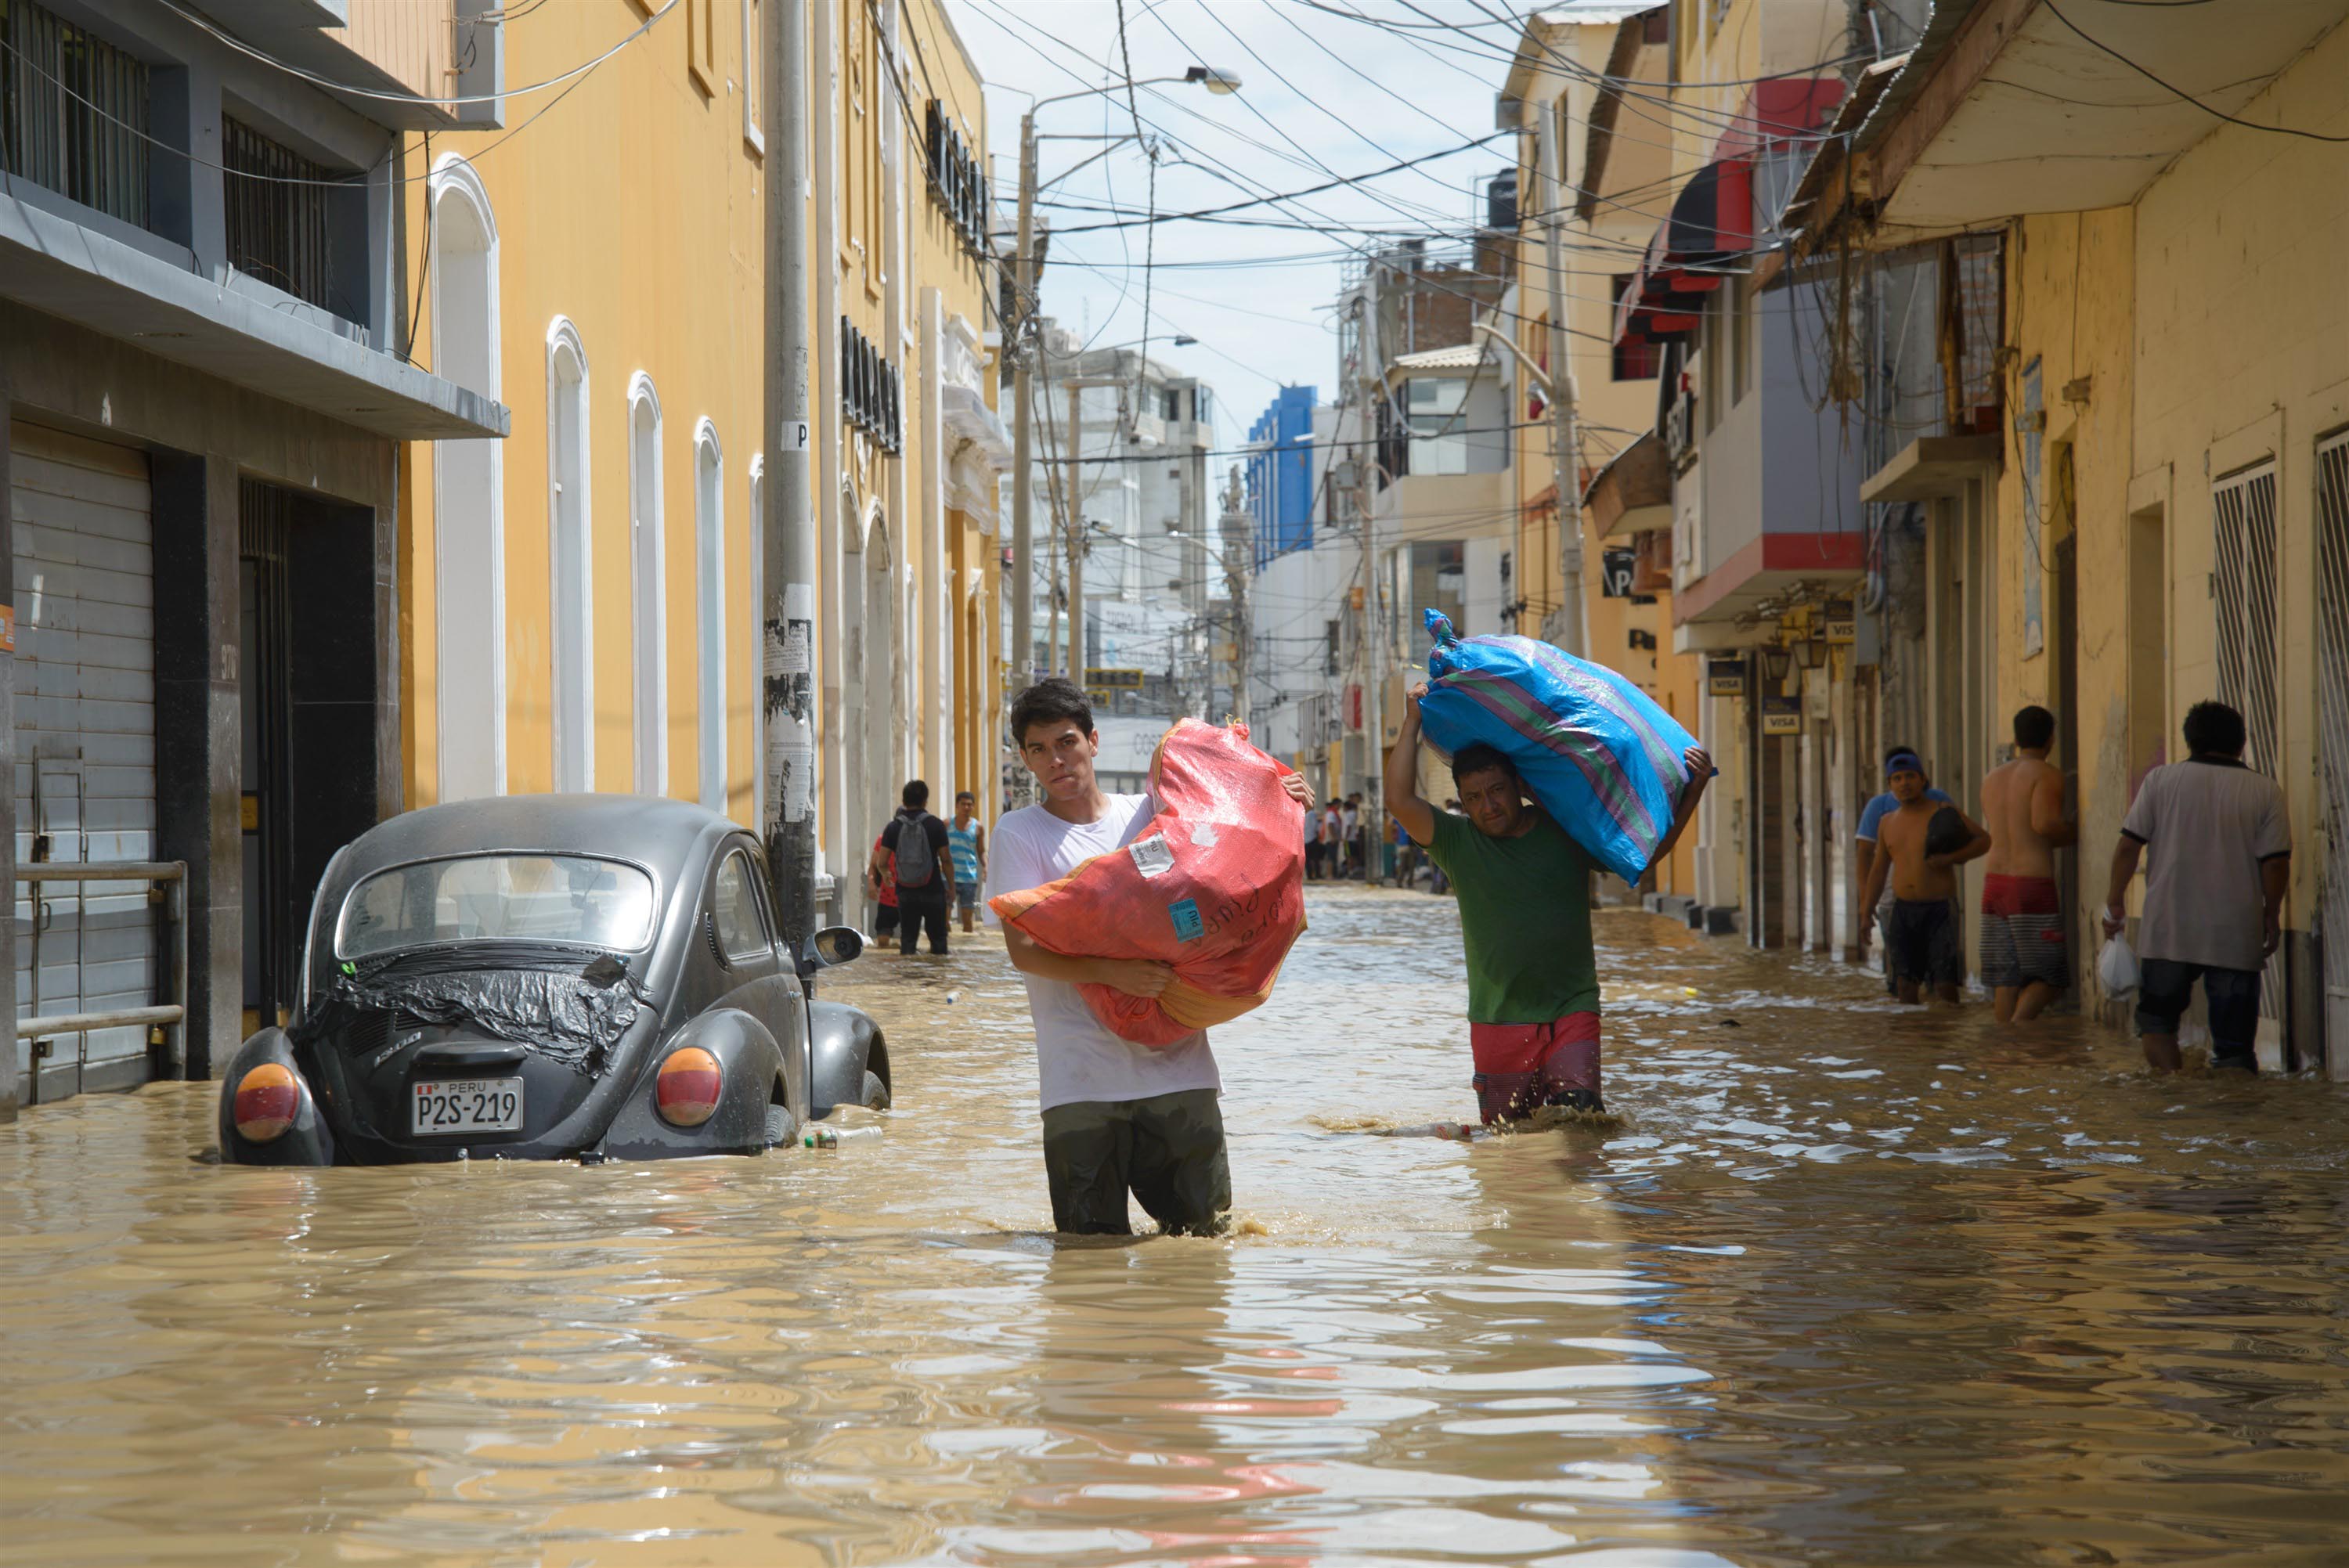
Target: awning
[[1633, 491], [1710, 234], [1710, 229]]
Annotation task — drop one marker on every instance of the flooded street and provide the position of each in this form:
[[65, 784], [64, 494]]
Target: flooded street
[[1849, 1286]]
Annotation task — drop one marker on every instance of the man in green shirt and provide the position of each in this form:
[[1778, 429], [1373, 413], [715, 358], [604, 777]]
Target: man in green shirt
[[1524, 887]]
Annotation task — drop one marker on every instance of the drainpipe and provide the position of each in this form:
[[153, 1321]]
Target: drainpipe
[[787, 620]]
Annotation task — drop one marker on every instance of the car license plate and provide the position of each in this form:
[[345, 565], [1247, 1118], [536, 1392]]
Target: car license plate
[[466, 1105]]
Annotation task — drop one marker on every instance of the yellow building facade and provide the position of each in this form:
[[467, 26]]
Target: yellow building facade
[[2167, 465], [576, 602], [1614, 185]]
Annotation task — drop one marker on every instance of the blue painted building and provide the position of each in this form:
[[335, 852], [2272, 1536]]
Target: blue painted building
[[1281, 475]]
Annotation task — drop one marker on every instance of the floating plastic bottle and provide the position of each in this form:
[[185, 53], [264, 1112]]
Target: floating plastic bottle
[[833, 1137]]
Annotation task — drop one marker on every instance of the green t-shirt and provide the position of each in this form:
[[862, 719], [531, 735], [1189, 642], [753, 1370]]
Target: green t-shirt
[[1524, 918]]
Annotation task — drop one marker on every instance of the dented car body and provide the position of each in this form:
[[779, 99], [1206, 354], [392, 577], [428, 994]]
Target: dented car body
[[549, 976]]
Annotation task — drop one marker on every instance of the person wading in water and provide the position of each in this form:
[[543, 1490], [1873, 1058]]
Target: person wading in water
[[1118, 1117], [1524, 887], [2025, 961]]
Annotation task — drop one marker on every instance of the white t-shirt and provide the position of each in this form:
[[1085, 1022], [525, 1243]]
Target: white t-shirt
[[2207, 828], [1076, 1058]]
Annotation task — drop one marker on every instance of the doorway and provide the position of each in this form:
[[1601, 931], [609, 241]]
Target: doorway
[[308, 704]]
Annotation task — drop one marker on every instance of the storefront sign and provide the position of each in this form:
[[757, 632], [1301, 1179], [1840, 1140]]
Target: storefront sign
[[1842, 622], [1782, 715], [1724, 677], [1619, 564]]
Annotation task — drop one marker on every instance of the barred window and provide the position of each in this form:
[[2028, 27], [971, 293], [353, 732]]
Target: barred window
[[277, 227], [73, 112]]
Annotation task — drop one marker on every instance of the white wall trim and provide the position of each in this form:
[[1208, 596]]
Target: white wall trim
[[454, 179], [710, 613], [563, 338], [648, 558]]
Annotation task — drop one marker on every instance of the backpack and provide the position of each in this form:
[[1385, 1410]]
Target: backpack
[[917, 858]]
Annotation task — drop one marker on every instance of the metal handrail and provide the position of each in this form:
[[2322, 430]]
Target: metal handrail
[[171, 874], [101, 871]]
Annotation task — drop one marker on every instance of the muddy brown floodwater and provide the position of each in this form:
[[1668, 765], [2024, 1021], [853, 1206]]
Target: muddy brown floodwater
[[1851, 1286]]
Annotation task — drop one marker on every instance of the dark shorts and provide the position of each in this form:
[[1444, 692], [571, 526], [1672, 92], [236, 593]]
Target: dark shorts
[[1167, 1151], [885, 922], [2023, 932], [1922, 942], [967, 896], [1522, 1066], [2231, 997]]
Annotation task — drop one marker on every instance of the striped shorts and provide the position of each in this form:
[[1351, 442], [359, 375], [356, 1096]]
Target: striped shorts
[[2023, 937]]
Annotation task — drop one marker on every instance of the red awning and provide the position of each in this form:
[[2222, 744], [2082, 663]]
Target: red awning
[[1709, 237]]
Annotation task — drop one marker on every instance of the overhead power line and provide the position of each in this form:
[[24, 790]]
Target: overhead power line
[[352, 89], [1205, 212], [2181, 92]]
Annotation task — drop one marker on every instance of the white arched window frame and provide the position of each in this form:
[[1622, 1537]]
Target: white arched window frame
[[758, 576], [647, 589], [709, 610], [469, 554], [570, 515]]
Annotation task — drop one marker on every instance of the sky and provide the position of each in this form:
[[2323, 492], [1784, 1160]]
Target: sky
[[1321, 96]]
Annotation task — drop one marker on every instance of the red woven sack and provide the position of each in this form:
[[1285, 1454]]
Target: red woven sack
[[1215, 886]]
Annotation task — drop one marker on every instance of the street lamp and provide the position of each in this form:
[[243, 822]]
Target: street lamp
[[1023, 483]]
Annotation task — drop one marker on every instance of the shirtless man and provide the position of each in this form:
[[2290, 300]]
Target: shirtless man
[[2023, 960], [1917, 949]]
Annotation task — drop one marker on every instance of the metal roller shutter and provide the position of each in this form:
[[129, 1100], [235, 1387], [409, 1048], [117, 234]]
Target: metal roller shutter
[[85, 746]]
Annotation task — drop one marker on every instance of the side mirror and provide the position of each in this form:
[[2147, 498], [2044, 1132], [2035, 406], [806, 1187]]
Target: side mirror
[[834, 944]]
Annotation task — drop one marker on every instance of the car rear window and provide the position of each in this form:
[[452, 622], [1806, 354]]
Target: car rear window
[[576, 899]]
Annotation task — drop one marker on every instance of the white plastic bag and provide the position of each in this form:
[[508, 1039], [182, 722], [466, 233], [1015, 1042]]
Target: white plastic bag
[[2117, 967]]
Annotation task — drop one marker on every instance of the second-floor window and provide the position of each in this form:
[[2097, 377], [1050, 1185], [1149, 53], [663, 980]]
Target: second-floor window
[[73, 112], [1437, 408], [275, 203]]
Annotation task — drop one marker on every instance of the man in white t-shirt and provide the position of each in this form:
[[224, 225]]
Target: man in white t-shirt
[[1118, 1117], [2218, 853]]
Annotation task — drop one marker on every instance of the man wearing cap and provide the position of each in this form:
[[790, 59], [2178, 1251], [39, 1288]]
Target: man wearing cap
[[1875, 871]]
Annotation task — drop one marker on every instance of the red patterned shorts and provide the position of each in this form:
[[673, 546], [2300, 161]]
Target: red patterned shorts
[[1522, 1065]]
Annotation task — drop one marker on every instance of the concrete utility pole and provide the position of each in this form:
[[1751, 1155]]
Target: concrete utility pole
[[1239, 558], [1023, 417], [1566, 442], [1373, 647], [1076, 537], [787, 619]]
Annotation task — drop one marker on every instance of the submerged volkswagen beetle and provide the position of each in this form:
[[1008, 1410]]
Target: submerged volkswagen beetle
[[549, 976]]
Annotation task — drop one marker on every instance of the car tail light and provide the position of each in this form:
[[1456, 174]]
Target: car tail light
[[267, 1099], [686, 1092]]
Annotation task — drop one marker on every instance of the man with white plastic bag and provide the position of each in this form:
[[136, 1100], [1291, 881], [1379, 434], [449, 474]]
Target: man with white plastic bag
[[2218, 860]]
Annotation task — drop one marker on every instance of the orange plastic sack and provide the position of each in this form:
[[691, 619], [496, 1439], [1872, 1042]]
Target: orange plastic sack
[[1215, 886]]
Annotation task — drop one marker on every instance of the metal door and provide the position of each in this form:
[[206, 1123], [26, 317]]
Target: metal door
[[2243, 560], [2333, 741], [85, 785]]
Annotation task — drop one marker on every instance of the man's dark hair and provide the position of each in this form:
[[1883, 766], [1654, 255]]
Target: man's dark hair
[[1049, 702], [2035, 729], [917, 796], [962, 795], [2214, 729], [1892, 751], [1478, 758]]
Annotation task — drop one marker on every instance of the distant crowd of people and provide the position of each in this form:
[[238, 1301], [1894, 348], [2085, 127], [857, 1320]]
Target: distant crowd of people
[[1337, 841]]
